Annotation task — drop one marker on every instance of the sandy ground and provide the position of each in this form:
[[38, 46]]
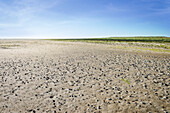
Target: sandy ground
[[75, 77]]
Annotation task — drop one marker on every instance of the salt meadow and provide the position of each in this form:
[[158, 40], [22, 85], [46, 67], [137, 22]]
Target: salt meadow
[[59, 76]]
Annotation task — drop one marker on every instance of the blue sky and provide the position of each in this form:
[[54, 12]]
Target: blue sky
[[83, 18]]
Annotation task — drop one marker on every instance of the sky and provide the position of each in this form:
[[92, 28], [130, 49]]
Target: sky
[[83, 18]]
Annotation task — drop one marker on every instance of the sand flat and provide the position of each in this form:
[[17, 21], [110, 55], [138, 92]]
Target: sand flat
[[41, 76]]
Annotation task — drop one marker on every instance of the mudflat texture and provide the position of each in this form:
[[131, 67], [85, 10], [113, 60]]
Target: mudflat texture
[[42, 76]]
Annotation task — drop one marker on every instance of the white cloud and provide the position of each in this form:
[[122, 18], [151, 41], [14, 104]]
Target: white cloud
[[33, 6], [21, 11]]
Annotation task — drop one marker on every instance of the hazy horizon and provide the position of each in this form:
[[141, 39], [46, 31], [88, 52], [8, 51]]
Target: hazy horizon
[[10, 38], [32, 19]]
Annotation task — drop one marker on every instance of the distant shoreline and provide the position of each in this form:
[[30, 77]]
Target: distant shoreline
[[160, 39]]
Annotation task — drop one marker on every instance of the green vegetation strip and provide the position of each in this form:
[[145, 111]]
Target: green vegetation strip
[[8, 46], [156, 44], [142, 48], [120, 39]]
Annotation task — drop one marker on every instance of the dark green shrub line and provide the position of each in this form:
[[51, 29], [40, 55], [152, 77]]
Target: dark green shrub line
[[126, 39]]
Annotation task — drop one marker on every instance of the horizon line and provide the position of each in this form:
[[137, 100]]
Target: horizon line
[[38, 37]]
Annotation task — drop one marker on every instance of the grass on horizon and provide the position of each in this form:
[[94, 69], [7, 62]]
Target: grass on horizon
[[160, 39], [156, 44]]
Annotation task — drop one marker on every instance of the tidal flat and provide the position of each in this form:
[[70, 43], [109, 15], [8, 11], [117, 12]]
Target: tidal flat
[[43, 76]]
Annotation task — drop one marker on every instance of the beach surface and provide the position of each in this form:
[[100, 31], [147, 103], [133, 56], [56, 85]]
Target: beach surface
[[41, 76]]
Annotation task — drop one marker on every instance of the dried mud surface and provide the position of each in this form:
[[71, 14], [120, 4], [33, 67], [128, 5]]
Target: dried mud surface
[[39, 76]]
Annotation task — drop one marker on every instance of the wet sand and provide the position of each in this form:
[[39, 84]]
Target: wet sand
[[39, 76]]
